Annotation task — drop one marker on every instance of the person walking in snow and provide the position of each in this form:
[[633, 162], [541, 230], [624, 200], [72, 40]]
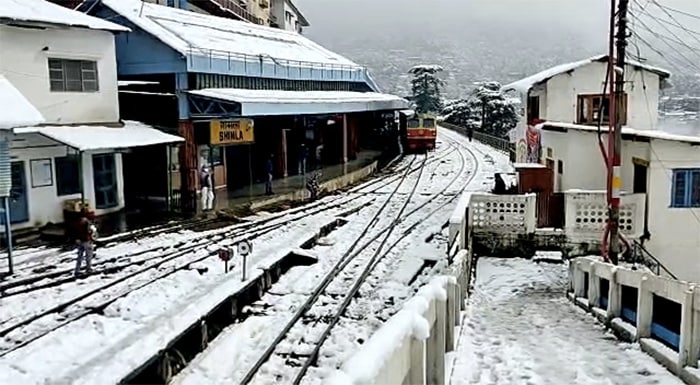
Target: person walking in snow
[[207, 189], [86, 234], [470, 133], [268, 182]]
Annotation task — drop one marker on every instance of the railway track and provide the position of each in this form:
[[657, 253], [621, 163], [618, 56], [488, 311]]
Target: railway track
[[119, 262], [176, 259], [381, 245]]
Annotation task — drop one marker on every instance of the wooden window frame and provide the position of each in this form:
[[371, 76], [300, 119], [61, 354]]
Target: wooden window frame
[[590, 113]]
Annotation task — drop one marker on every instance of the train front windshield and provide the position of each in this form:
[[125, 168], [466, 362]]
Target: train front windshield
[[413, 123], [429, 123]]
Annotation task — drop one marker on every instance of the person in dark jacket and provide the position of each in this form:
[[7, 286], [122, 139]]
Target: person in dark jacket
[[268, 182], [86, 233]]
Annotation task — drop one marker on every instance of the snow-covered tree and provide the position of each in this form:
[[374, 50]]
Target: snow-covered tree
[[486, 103], [426, 87]]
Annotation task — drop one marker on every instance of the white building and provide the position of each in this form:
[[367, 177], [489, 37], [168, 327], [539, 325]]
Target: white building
[[563, 134], [64, 63], [573, 93], [284, 14]]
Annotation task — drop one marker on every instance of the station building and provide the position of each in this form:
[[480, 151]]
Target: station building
[[199, 76]]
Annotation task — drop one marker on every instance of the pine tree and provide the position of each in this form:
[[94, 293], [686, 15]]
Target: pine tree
[[427, 88], [486, 109]]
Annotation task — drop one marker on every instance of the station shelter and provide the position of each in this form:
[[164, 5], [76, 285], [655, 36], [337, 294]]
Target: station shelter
[[238, 93]]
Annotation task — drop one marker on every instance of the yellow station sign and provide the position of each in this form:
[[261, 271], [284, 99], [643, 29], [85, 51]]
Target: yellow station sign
[[236, 131]]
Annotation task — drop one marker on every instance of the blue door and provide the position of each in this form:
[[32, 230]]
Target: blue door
[[105, 175], [19, 208]]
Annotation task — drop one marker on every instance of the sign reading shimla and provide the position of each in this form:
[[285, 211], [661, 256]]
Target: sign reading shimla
[[236, 131]]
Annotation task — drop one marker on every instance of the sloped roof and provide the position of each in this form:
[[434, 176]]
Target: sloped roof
[[276, 102], [43, 12], [650, 134], [16, 110], [190, 32], [524, 85], [90, 138]]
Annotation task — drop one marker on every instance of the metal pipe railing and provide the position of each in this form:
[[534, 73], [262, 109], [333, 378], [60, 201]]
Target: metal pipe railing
[[497, 143]]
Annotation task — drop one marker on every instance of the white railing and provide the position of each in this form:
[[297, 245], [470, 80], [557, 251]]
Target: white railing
[[503, 213], [411, 347], [585, 216], [587, 276], [586, 213]]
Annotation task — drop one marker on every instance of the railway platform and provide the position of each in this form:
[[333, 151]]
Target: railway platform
[[228, 204]]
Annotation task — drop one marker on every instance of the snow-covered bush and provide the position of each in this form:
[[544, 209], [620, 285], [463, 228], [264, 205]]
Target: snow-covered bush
[[486, 102]]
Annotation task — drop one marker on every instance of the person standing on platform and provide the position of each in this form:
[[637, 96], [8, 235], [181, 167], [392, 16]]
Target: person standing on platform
[[207, 189], [86, 234], [268, 182], [303, 155]]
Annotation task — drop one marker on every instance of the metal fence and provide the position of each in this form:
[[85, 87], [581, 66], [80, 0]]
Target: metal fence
[[499, 144], [642, 256], [237, 57]]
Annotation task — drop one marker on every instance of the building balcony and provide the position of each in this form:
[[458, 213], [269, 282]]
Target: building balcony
[[228, 8]]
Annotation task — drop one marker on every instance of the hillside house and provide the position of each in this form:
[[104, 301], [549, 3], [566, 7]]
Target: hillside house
[[64, 63], [560, 131]]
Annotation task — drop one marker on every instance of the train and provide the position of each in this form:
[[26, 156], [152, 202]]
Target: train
[[418, 131]]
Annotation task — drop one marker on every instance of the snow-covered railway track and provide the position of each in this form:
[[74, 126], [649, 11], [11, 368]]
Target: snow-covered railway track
[[20, 331], [364, 260], [162, 266]]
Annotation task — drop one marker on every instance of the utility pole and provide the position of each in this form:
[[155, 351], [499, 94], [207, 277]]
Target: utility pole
[[619, 110]]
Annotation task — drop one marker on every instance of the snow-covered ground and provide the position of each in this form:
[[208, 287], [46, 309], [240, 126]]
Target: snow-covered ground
[[392, 282], [520, 329]]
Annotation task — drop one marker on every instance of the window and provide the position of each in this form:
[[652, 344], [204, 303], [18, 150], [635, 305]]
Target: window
[[216, 155], [428, 123], [589, 107], [73, 75], [105, 181], [413, 123], [533, 108], [685, 191], [67, 175]]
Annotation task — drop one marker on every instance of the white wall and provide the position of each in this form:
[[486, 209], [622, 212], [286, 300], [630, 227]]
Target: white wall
[[44, 204], [675, 232], [563, 90], [25, 64], [584, 167], [279, 9]]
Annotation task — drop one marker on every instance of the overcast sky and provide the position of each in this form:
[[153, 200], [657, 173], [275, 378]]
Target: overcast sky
[[474, 39]]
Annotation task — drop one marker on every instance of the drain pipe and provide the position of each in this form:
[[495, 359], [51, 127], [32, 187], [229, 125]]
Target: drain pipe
[[5, 191]]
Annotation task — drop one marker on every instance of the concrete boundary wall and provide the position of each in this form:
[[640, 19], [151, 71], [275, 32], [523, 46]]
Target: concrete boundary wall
[[585, 276], [327, 186], [411, 347]]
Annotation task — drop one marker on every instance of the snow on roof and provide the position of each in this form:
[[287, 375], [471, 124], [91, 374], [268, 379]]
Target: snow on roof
[[40, 11], [276, 102], [191, 33], [16, 110], [651, 134], [524, 85], [126, 83], [87, 138]]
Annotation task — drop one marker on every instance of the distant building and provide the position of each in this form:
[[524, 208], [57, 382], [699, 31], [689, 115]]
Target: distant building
[[283, 14], [63, 62]]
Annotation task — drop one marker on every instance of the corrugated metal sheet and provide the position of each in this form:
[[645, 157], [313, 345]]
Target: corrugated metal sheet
[[5, 168]]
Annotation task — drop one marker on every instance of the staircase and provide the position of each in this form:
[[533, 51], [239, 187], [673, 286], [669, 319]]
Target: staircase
[[642, 256]]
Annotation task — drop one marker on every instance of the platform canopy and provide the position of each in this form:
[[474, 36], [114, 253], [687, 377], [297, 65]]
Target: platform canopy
[[16, 110], [278, 103], [91, 138]]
